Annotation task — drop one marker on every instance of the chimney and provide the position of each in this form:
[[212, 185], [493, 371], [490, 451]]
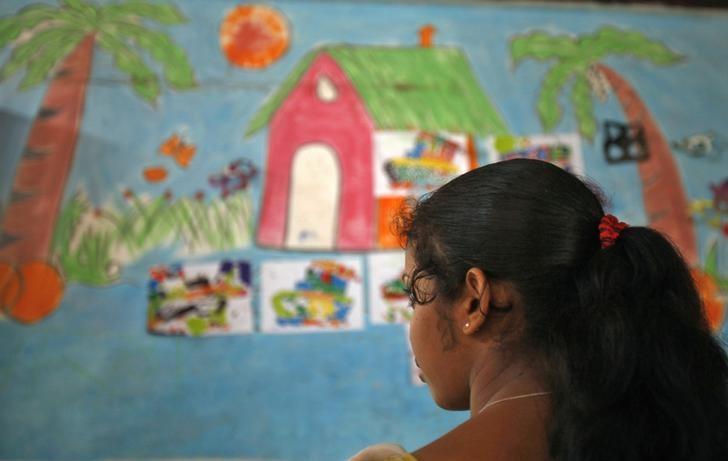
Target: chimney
[[427, 32]]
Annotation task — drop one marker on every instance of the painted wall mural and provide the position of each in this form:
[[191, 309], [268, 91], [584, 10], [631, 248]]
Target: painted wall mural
[[196, 201]]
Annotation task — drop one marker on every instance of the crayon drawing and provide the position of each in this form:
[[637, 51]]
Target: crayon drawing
[[563, 150], [344, 138], [92, 245], [311, 296], [388, 299], [200, 300], [56, 45], [581, 59]]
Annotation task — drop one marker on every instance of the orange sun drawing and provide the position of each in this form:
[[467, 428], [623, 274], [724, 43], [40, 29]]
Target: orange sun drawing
[[254, 36]]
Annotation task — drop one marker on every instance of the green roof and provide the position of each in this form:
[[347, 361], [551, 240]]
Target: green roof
[[430, 89]]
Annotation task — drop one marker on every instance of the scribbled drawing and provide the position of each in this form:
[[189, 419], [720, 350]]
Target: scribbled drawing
[[427, 165], [254, 36], [200, 300], [388, 299], [579, 60], [563, 150], [92, 244], [707, 145], [315, 295], [334, 119], [235, 177], [56, 44], [624, 142], [179, 149]]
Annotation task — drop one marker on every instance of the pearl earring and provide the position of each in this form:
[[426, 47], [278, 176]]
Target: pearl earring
[[467, 325]]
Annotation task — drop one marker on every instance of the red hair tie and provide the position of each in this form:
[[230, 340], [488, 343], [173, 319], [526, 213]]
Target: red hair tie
[[609, 230]]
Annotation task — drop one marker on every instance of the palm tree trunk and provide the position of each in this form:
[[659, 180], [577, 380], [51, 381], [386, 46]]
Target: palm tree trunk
[[40, 179], [663, 193]]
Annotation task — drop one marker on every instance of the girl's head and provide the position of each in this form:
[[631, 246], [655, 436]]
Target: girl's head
[[508, 255]]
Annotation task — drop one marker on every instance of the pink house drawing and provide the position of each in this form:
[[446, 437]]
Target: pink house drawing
[[326, 122]]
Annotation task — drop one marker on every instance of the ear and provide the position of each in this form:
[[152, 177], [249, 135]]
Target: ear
[[475, 301]]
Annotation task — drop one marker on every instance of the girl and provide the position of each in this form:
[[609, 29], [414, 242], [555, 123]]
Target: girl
[[567, 334]]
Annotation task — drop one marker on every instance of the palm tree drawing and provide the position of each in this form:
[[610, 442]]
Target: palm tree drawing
[[56, 44], [580, 59]]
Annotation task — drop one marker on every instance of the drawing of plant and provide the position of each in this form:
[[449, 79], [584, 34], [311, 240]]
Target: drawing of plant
[[56, 44], [579, 59]]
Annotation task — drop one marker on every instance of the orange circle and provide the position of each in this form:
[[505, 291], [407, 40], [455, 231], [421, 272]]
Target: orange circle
[[9, 286], [42, 291], [254, 36]]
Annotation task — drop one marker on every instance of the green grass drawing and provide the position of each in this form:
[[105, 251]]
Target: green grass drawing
[[91, 245]]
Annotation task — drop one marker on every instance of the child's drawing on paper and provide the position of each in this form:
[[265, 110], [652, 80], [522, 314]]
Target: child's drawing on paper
[[388, 299], [428, 161], [563, 150], [312, 296], [200, 300]]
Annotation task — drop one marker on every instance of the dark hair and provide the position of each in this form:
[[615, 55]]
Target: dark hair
[[628, 354]]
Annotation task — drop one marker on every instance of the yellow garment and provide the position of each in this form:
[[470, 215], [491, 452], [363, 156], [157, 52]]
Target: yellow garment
[[383, 452]]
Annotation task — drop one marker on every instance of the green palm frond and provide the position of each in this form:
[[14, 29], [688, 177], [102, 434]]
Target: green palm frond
[[177, 69], [548, 107], [542, 46], [162, 13], [27, 18], [610, 40], [48, 57], [24, 53], [143, 80], [581, 99], [120, 30], [573, 56], [82, 7]]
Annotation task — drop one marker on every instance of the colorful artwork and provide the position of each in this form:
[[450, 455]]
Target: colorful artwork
[[563, 150], [312, 296], [308, 127], [56, 44], [236, 176], [388, 299], [312, 170], [200, 300], [579, 59], [180, 150], [92, 244], [428, 164], [254, 36]]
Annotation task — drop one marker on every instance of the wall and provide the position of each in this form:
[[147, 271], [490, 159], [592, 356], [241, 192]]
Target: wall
[[150, 146]]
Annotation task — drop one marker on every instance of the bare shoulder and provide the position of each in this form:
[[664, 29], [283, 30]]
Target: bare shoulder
[[508, 431]]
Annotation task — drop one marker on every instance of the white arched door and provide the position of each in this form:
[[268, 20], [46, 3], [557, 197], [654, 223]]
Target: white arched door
[[313, 204]]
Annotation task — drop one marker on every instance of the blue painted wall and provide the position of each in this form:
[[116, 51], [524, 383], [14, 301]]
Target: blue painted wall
[[89, 382]]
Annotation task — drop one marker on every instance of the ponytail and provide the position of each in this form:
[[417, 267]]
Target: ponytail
[[612, 312], [645, 378]]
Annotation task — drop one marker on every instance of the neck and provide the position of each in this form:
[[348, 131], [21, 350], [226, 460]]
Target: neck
[[496, 379]]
